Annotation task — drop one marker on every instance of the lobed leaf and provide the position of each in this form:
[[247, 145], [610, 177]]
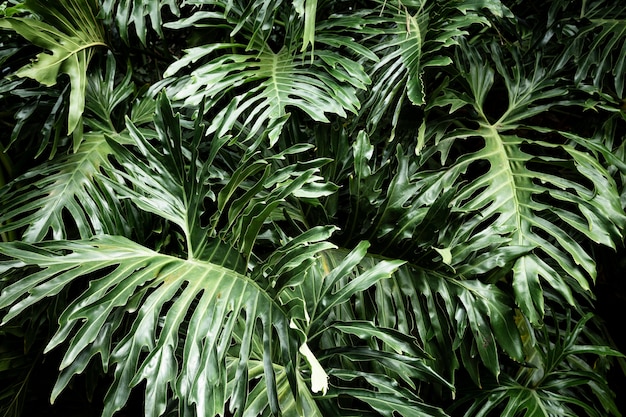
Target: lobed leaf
[[171, 295], [39, 202], [71, 36]]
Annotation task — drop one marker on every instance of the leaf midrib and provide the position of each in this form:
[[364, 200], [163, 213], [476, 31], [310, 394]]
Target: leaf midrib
[[502, 160]]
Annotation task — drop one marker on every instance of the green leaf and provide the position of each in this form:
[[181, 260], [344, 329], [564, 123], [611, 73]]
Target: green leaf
[[562, 379], [276, 82], [71, 36], [388, 404], [127, 14], [518, 200], [409, 38], [39, 202], [393, 339], [445, 310], [597, 49], [105, 94], [306, 10], [201, 299]]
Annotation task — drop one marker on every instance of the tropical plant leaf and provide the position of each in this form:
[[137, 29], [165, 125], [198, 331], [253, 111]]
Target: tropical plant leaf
[[40, 202], [599, 45], [560, 382], [342, 339], [244, 201], [205, 299], [307, 10], [195, 306], [398, 209], [517, 199], [450, 315], [127, 14], [439, 179], [410, 36], [40, 118], [107, 98], [277, 81], [70, 32], [66, 196]]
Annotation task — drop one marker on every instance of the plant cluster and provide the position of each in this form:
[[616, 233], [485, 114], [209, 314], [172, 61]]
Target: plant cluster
[[310, 208]]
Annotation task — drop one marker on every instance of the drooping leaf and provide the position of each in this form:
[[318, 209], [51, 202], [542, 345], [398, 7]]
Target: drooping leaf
[[448, 313], [127, 14]]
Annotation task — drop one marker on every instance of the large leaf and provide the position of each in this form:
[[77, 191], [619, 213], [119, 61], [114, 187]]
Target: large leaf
[[409, 37], [66, 196], [128, 13], [215, 329], [361, 356], [526, 191], [175, 182], [163, 296], [39, 202], [273, 83], [450, 318], [598, 47], [70, 32]]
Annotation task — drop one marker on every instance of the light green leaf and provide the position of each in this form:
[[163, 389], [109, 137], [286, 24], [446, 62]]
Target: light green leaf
[[446, 255], [306, 10], [319, 378], [71, 42]]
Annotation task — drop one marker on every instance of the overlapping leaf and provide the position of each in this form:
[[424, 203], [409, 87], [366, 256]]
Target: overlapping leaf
[[393, 204], [599, 46], [361, 355], [409, 37], [458, 322], [560, 381], [200, 308], [246, 306], [65, 196], [174, 183], [40, 202], [107, 98]]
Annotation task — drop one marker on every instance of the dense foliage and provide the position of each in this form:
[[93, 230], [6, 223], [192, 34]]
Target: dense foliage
[[310, 208]]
